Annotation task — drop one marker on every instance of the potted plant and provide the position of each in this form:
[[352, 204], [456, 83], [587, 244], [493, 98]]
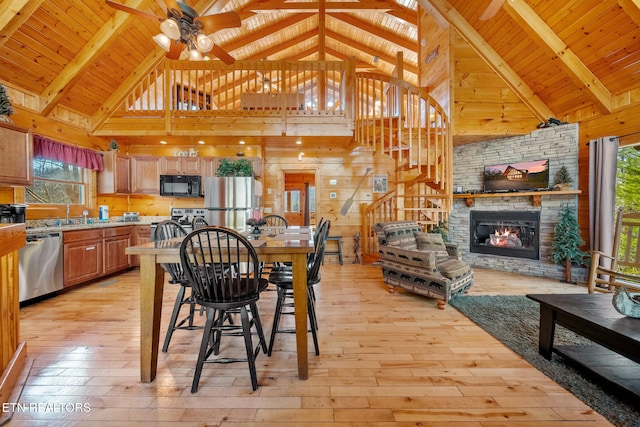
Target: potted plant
[[562, 179], [565, 246], [240, 167], [5, 105]]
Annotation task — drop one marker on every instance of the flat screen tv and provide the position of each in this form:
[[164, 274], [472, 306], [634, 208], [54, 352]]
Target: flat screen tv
[[524, 176]]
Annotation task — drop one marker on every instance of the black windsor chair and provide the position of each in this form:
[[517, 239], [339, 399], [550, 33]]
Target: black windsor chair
[[224, 271], [164, 231], [283, 279]]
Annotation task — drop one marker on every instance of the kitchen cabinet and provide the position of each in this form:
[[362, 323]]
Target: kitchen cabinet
[[116, 240], [145, 175], [16, 155], [179, 165], [115, 177], [83, 257], [208, 167], [140, 234]]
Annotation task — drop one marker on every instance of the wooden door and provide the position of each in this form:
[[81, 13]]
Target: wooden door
[[297, 204]]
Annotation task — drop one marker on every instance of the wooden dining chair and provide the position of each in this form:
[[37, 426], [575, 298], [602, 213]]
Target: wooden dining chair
[[609, 272], [224, 271]]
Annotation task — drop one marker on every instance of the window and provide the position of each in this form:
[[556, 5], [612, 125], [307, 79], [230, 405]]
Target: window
[[56, 183], [292, 201]]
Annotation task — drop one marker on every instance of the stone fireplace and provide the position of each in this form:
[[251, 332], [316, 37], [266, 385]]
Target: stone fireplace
[[559, 145], [507, 233]]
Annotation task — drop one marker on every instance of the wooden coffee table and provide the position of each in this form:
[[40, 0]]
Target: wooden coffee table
[[615, 355]]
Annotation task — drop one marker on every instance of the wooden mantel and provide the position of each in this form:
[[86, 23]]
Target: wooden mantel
[[13, 353], [536, 196]]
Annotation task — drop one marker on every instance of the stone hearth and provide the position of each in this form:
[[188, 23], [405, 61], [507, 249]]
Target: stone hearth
[[557, 144]]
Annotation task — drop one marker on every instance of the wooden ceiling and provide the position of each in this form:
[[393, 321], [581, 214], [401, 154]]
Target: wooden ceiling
[[572, 60]]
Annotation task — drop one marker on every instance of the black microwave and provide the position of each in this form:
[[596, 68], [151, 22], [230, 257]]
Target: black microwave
[[181, 185]]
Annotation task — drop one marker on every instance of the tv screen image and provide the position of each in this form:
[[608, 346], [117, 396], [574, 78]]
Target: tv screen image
[[523, 176]]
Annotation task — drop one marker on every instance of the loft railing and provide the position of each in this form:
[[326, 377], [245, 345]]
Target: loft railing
[[185, 88]]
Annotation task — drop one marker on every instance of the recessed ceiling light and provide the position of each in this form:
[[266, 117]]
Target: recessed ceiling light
[[299, 142], [201, 142], [163, 142], [241, 142]]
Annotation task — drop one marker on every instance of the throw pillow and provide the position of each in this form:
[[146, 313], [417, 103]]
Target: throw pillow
[[431, 242], [401, 234]]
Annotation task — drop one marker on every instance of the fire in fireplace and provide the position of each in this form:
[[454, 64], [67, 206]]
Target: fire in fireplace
[[505, 233]]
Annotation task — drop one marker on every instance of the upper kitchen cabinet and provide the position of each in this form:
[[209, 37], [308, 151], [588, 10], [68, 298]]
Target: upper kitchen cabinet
[[145, 175], [16, 155], [179, 166], [115, 177]]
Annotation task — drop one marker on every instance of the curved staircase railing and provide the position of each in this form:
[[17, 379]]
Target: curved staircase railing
[[395, 118]]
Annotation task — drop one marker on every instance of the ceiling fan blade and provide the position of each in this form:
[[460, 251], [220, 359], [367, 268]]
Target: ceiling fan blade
[[137, 12], [222, 54], [491, 10], [218, 21], [172, 6], [175, 50]]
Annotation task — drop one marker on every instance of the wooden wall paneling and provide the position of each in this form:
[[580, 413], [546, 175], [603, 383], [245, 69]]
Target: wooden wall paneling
[[433, 57], [485, 105]]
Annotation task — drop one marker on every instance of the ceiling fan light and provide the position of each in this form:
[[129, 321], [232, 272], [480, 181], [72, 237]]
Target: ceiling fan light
[[204, 43], [194, 55], [163, 41], [170, 28]]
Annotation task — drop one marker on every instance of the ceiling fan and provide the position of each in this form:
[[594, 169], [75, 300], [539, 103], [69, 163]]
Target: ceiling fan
[[491, 10], [183, 27]]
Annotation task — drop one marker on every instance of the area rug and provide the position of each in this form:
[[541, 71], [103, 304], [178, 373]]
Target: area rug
[[514, 321]]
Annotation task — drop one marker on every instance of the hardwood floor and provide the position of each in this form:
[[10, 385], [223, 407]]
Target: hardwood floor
[[386, 359]]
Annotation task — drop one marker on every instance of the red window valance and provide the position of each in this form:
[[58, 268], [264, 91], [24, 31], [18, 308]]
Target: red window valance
[[54, 150]]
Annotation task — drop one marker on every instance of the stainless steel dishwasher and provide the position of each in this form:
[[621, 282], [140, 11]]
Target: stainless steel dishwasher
[[41, 266]]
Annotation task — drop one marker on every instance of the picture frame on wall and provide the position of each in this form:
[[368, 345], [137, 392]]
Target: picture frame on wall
[[380, 183]]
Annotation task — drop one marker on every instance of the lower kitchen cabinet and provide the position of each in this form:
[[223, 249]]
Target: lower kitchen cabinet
[[83, 257], [93, 253], [116, 240]]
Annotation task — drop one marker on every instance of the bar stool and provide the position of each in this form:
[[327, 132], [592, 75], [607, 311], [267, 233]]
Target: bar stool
[[338, 250]]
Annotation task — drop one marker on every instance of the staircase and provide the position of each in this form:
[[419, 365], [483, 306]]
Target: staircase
[[395, 118]]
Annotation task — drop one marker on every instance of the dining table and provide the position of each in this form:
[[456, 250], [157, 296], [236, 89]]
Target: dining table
[[272, 244]]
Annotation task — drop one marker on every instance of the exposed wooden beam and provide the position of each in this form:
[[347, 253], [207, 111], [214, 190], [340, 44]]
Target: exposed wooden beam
[[265, 32], [406, 14], [84, 59], [14, 13], [490, 56], [546, 38], [386, 35], [367, 50], [301, 7]]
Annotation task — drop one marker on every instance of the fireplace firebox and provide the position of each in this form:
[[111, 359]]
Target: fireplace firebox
[[505, 233]]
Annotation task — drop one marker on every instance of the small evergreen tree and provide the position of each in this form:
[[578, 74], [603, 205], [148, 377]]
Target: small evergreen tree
[[565, 246], [5, 103]]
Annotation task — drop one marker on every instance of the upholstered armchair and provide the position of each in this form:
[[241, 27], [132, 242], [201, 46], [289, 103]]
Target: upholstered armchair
[[421, 262]]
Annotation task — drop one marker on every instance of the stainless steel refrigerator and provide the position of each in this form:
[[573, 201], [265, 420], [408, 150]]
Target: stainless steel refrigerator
[[229, 201]]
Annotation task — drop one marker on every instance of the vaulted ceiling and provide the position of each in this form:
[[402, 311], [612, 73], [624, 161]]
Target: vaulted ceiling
[[572, 59]]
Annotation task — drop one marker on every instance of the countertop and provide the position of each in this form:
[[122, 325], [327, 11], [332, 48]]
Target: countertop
[[74, 227]]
